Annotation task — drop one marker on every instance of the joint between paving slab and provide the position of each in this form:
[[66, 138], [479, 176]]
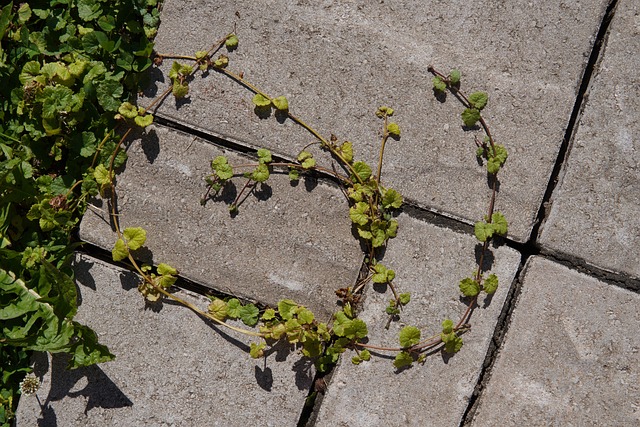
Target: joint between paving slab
[[410, 207], [206, 135], [500, 331], [572, 126], [181, 283], [613, 278]]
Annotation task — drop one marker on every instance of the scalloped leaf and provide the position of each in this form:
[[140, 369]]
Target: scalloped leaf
[[259, 100], [409, 335], [469, 287], [490, 284], [136, 237], [470, 116], [119, 251], [144, 121], [281, 103]]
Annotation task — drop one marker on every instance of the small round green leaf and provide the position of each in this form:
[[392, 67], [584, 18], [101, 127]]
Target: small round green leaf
[[483, 231], [119, 251], [144, 121], [359, 213], [452, 342], [409, 335], [136, 237], [294, 174], [221, 62], [493, 166], [469, 287], [180, 90], [260, 173], [305, 316], [128, 110], [233, 308], [231, 43], [256, 351], [287, 308], [439, 84], [259, 100], [402, 360], [164, 269], [384, 111], [264, 155], [490, 284], [391, 199], [281, 103], [363, 170], [454, 77], [478, 100], [470, 116], [346, 149], [249, 314], [405, 298], [499, 223], [223, 170], [269, 314], [393, 129], [102, 176], [382, 274], [447, 326], [356, 329]]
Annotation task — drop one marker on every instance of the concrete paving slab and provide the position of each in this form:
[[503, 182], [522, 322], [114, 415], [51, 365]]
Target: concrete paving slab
[[570, 357], [594, 215], [429, 262], [286, 242], [172, 368], [338, 61]]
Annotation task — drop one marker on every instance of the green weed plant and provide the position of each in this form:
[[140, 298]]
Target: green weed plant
[[372, 207], [66, 67]]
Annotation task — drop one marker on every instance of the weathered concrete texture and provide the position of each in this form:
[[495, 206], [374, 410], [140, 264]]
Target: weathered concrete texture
[[595, 209], [571, 355], [172, 367], [429, 263], [286, 242], [338, 61]]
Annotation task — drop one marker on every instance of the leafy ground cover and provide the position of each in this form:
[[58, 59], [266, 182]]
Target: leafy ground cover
[[66, 67]]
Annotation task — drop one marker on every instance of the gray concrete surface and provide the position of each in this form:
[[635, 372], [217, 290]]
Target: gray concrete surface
[[286, 241], [338, 61], [172, 368], [429, 262], [571, 355], [595, 211]]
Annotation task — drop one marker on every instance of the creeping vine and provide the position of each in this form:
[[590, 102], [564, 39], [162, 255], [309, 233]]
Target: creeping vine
[[372, 207]]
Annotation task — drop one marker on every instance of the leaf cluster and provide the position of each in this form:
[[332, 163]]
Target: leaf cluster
[[233, 309], [296, 325], [485, 230], [66, 67], [496, 156], [472, 287], [372, 207], [38, 316], [222, 172], [395, 305]]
